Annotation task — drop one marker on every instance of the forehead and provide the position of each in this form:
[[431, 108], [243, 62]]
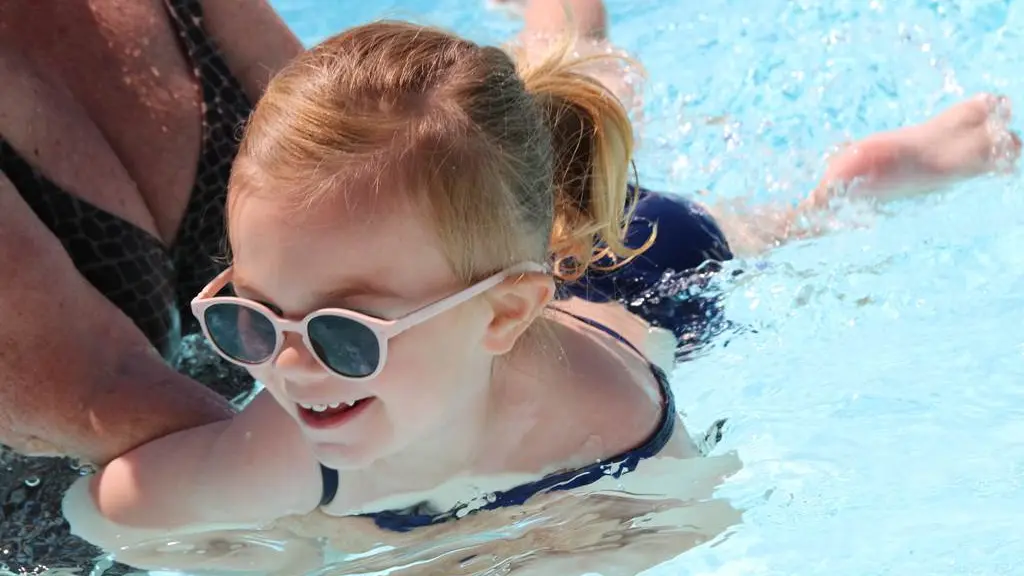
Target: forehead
[[295, 256]]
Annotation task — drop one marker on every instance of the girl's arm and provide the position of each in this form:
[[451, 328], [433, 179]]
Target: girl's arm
[[241, 472]]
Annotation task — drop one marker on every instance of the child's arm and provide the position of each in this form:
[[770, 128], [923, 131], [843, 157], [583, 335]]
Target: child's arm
[[245, 471]]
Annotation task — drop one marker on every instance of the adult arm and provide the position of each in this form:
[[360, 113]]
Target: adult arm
[[77, 377]]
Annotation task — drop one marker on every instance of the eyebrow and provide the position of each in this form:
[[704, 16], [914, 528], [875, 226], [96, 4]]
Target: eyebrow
[[237, 285], [356, 289], [324, 297]]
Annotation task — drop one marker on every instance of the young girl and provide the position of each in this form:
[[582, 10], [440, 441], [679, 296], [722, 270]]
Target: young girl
[[427, 250]]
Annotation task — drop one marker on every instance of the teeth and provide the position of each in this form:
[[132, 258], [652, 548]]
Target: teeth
[[324, 407]]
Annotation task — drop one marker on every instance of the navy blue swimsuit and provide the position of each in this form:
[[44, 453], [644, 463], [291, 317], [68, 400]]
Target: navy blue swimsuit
[[661, 286], [666, 284]]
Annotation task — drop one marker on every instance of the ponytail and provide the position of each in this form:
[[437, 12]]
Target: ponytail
[[592, 141]]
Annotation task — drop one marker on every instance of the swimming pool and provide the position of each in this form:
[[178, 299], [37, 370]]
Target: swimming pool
[[870, 393], [875, 406]]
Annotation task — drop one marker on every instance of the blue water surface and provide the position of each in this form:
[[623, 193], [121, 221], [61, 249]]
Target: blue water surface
[[878, 404]]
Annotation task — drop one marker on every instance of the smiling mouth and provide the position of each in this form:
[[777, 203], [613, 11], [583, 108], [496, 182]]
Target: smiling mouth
[[321, 415]]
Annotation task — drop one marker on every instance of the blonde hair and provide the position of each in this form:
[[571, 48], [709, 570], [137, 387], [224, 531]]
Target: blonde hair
[[528, 164]]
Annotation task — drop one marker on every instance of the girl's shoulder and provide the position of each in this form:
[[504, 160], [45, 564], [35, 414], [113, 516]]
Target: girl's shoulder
[[618, 377]]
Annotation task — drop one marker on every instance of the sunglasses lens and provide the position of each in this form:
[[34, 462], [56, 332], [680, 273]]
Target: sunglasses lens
[[241, 333], [347, 346]]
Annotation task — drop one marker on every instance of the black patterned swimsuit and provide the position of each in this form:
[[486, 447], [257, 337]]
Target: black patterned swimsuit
[[149, 282]]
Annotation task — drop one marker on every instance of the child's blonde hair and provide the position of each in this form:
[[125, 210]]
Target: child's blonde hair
[[512, 165]]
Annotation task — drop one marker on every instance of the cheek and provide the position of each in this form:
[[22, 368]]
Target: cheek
[[430, 358], [266, 376]]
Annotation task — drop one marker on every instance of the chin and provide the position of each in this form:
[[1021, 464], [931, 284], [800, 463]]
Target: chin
[[348, 456]]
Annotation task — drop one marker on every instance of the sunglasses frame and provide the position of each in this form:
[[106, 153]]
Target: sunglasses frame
[[383, 329]]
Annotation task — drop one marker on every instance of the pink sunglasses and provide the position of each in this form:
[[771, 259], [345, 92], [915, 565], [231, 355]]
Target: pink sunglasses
[[344, 342]]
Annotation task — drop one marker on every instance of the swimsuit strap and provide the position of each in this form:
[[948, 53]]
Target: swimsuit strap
[[226, 107], [330, 483], [602, 328]]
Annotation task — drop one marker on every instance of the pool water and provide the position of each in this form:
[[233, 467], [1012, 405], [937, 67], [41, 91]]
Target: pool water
[[876, 397], [869, 383]]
